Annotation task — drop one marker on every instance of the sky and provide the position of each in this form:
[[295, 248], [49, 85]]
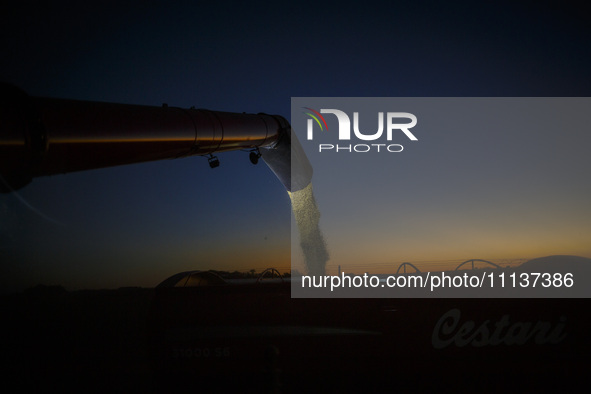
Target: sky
[[136, 225], [490, 178]]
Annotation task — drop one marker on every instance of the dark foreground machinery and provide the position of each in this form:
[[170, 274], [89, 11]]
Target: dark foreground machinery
[[217, 335], [254, 337]]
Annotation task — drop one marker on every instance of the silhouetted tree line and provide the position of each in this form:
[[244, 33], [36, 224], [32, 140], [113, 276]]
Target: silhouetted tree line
[[244, 275]]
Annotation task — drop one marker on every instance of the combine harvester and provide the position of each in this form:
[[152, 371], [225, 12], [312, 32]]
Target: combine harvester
[[220, 335]]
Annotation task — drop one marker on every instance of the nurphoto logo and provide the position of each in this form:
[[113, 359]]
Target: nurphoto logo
[[393, 126]]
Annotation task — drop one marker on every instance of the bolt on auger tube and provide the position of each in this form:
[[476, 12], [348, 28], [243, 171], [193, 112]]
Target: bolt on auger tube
[[46, 136]]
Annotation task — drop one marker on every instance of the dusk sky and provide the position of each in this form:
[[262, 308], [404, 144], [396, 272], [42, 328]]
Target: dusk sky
[[136, 225], [502, 179]]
